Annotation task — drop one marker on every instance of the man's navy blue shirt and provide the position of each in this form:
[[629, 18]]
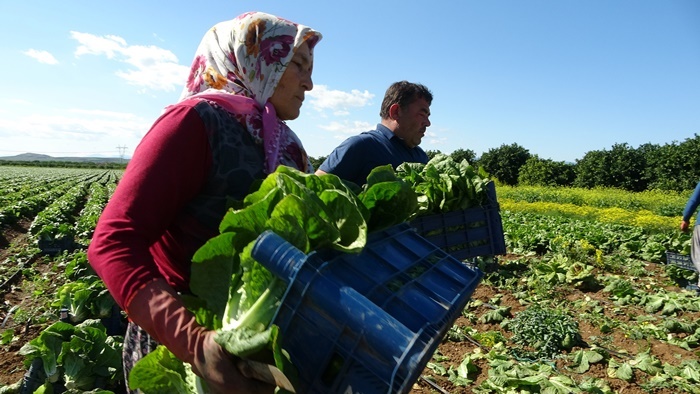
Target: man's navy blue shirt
[[355, 158]]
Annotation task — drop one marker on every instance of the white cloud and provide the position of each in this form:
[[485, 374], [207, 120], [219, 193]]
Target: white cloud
[[338, 101], [16, 101], [342, 130], [77, 125], [42, 56], [103, 113], [437, 141], [151, 67], [433, 138], [94, 45], [159, 76]]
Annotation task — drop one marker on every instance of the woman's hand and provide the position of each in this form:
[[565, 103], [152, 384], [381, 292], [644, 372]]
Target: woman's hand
[[158, 310], [217, 368]]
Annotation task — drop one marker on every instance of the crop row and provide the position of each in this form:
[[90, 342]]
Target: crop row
[[51, 264]]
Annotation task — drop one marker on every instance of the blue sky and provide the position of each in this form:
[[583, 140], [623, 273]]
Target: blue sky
[[558, 77]]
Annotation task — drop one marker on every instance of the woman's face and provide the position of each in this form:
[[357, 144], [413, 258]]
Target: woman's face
[[296, 80]]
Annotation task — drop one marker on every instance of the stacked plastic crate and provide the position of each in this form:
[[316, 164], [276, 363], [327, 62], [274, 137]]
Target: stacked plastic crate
[[680, 260], [471, 232], [368, 322]]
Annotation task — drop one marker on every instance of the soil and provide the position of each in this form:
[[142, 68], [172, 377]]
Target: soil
[[617, 342], [18, 295], [13, 234], [12, 366]]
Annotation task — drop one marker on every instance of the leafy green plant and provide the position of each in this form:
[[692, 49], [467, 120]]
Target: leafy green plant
[[582, 359], [621, 290], [680, 275], [496, 315], [543, 332], [511, 376], [597, 317], [85, 299], [489, 338], [595, 385], [437, 368], [444, 185], [21, 315], [161, 369], [463, 375], [456, 333], [83, 357], [679, 326], [7, 336]]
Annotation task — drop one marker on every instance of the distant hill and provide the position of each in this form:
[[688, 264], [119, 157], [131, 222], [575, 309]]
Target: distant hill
[[40, 157]]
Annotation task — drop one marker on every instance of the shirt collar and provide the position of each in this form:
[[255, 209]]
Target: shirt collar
[[386, 132]]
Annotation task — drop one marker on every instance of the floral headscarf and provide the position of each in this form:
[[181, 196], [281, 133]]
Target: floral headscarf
[[238, 65]]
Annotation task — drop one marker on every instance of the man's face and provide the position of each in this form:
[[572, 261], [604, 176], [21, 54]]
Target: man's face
[[412, 122], [295, 82]]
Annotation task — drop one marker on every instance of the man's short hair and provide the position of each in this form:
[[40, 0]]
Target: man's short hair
[[404, 93]]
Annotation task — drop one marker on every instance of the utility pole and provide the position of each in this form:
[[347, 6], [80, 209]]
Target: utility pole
[[121, 149]]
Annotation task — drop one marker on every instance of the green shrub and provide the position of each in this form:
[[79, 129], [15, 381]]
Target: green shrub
[[543, 332]]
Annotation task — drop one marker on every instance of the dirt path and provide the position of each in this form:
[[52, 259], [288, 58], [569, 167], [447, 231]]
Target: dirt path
[[23, 308]]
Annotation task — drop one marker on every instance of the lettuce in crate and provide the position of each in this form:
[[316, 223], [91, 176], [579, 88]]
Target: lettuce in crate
[[444, 185], [238, 297]]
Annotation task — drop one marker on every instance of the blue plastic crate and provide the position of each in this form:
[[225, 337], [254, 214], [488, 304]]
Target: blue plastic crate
[[368, 322], [680, 260], [50, 246], [471, 232]]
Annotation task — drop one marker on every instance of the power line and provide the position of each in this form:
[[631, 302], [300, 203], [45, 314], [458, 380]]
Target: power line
[[121, 149]]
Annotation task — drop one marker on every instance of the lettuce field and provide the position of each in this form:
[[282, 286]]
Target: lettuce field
[[583, 301]]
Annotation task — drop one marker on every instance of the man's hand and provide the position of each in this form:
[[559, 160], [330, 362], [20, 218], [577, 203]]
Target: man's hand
[[684, 226]]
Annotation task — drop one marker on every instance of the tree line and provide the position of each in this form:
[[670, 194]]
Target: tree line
[[63, 164], [672, 166]]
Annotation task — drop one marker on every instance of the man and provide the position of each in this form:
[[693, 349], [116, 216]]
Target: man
[[690, 208], [405, 114]]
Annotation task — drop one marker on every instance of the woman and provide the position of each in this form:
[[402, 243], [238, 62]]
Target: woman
[[249, 75]]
